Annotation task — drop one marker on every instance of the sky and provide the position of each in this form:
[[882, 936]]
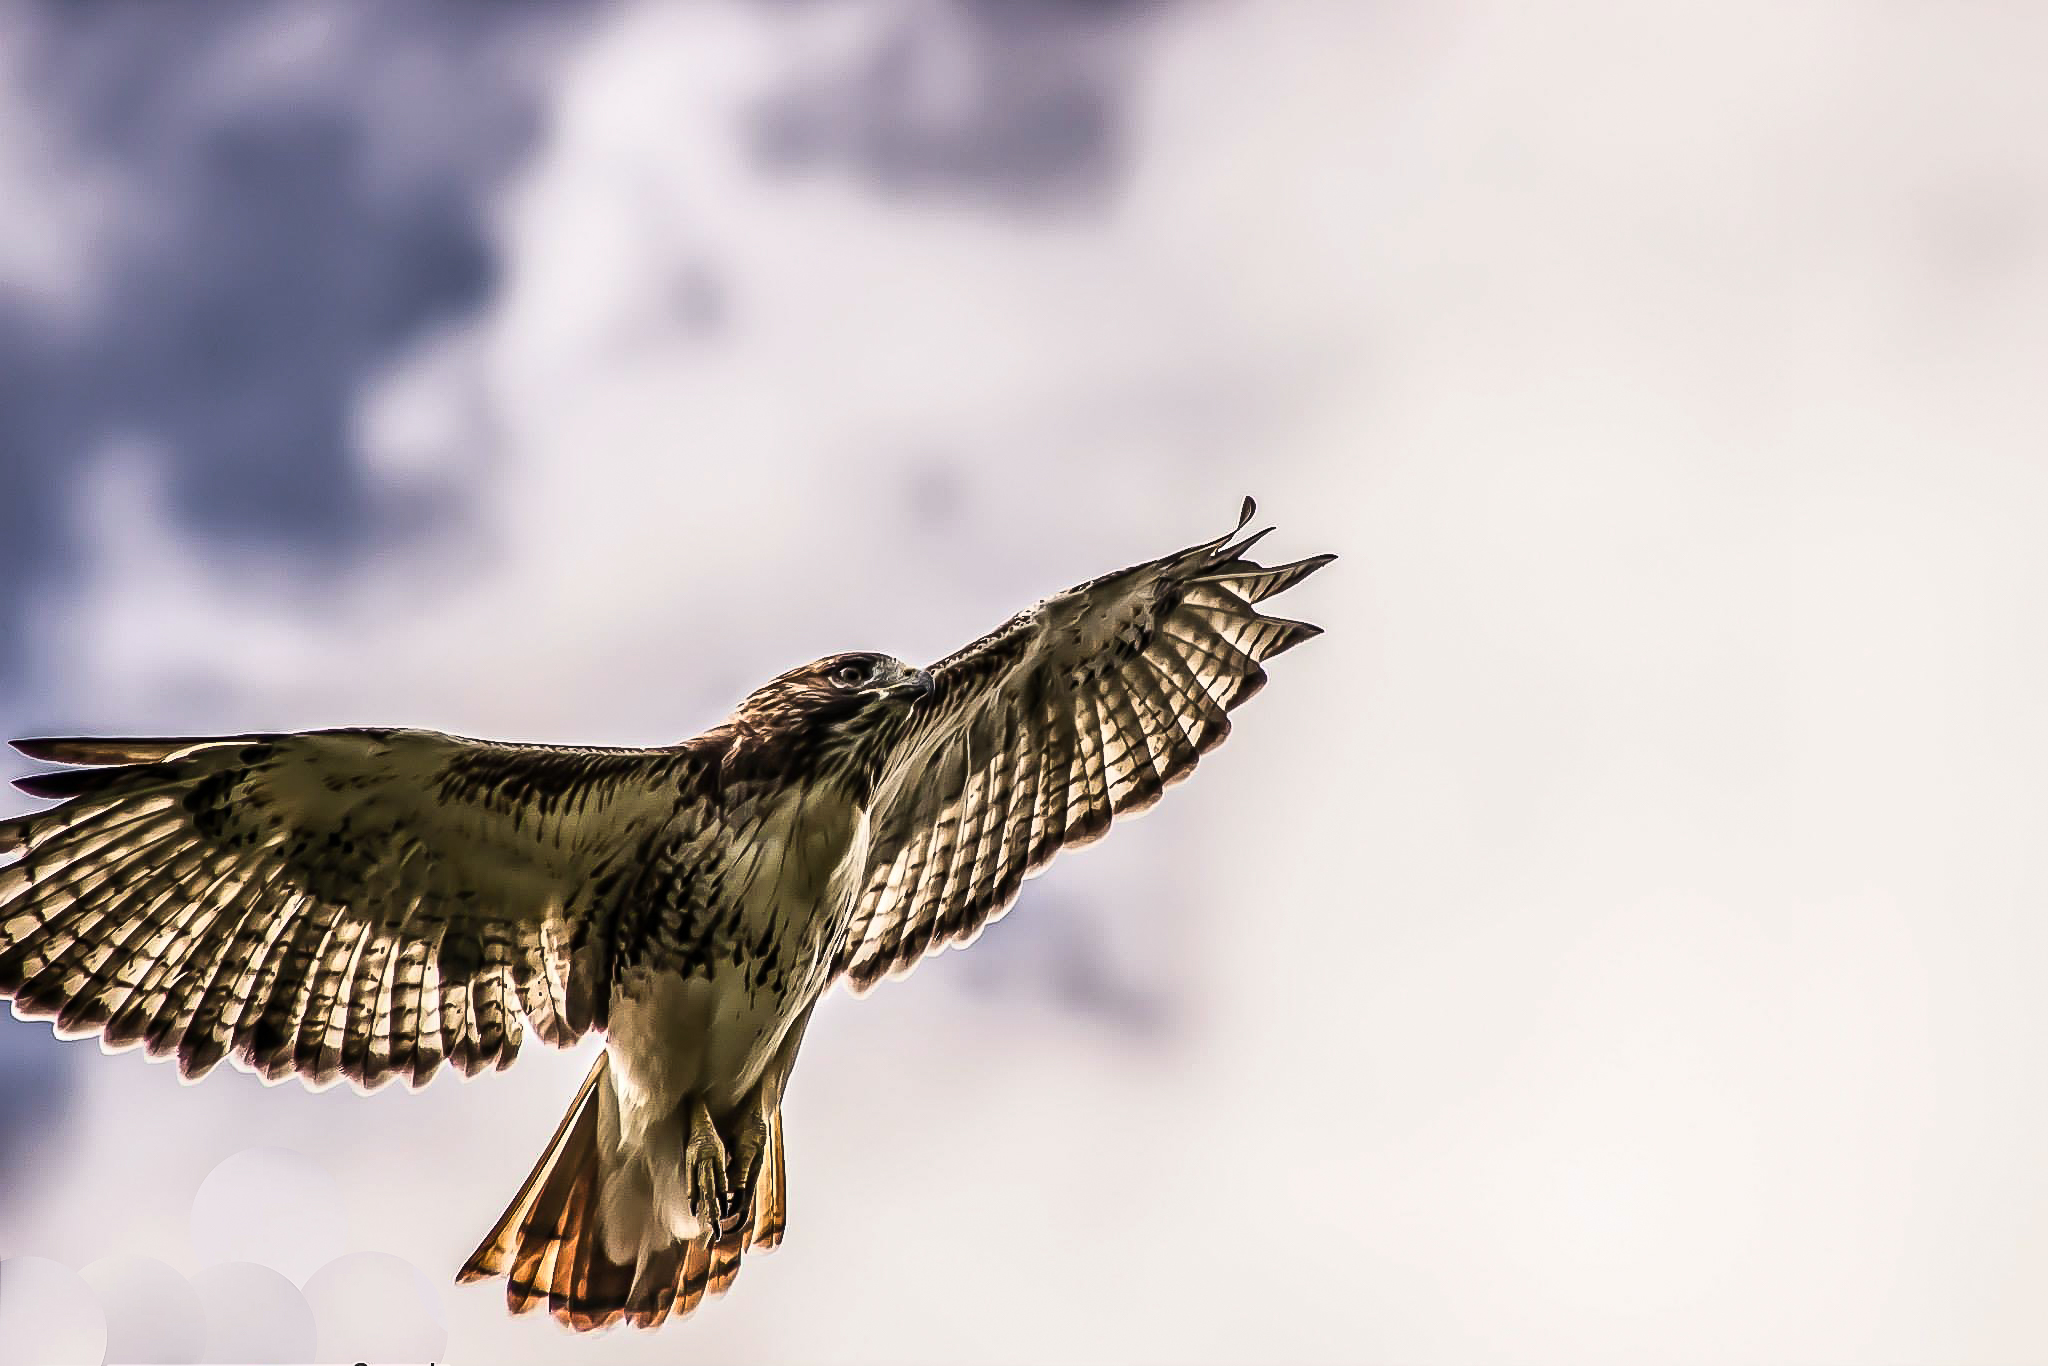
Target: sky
[[1617, 940]]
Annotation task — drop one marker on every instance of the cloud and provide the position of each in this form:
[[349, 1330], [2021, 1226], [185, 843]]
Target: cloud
[[246, 212]]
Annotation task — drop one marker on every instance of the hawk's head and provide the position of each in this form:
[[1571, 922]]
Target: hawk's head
[[839, 686], [822, 712]]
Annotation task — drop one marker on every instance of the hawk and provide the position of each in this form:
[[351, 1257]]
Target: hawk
[[370, 904]]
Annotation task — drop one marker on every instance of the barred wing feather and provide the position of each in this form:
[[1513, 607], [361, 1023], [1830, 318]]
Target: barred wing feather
[[359, 903], [1083, 708]]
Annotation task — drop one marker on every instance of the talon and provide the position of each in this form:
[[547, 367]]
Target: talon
[[704, 1160]]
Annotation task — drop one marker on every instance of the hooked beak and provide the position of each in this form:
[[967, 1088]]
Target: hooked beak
[[916, 685]]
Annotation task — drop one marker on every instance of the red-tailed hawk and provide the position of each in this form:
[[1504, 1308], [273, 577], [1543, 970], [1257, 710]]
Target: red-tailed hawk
[[371, 903]]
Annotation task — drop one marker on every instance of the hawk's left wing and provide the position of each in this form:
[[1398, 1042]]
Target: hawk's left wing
[[1080, 709]]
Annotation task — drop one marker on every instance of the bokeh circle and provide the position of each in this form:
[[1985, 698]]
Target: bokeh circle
[[49, 1315], [153, 1313], [253, 1314], [371, 1306], [273, 1207]]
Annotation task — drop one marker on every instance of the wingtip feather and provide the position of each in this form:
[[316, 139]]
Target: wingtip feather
[[1291, 633], [51, 786], [97, 750], [1237, 550]]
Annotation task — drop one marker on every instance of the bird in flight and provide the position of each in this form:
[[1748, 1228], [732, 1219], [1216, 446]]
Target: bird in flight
[[371, 903]]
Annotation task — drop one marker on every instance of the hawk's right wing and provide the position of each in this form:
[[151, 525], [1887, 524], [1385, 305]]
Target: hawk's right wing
[[359, 903]]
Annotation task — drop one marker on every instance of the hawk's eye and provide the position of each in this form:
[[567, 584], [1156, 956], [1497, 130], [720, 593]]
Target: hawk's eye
[[850, 675]]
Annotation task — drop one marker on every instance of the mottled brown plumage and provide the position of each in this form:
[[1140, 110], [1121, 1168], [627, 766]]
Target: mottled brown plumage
[[371, 904]]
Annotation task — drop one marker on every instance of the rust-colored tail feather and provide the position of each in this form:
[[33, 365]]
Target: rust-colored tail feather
[[771, 1198], [534, 1242], [550, 1250]]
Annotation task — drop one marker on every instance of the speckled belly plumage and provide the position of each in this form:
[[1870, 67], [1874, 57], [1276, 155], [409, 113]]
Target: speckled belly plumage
[[750, 916]]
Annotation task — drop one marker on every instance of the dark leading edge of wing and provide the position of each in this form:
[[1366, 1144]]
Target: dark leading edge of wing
[[1081, 709]]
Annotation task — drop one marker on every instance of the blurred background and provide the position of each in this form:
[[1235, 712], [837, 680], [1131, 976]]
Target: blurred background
[[1619, 940]]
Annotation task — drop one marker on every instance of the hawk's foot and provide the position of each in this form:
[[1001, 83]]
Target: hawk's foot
[[704, 1168]]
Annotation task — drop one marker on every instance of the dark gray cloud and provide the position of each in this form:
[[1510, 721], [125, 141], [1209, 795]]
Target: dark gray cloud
[[300, 193], [1021, 104]]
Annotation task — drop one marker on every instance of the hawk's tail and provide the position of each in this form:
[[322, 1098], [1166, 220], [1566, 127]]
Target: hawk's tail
[[551, 1249]]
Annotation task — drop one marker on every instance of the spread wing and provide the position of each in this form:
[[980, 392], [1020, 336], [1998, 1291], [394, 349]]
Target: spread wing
[[1080, 709], [359, 903]]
